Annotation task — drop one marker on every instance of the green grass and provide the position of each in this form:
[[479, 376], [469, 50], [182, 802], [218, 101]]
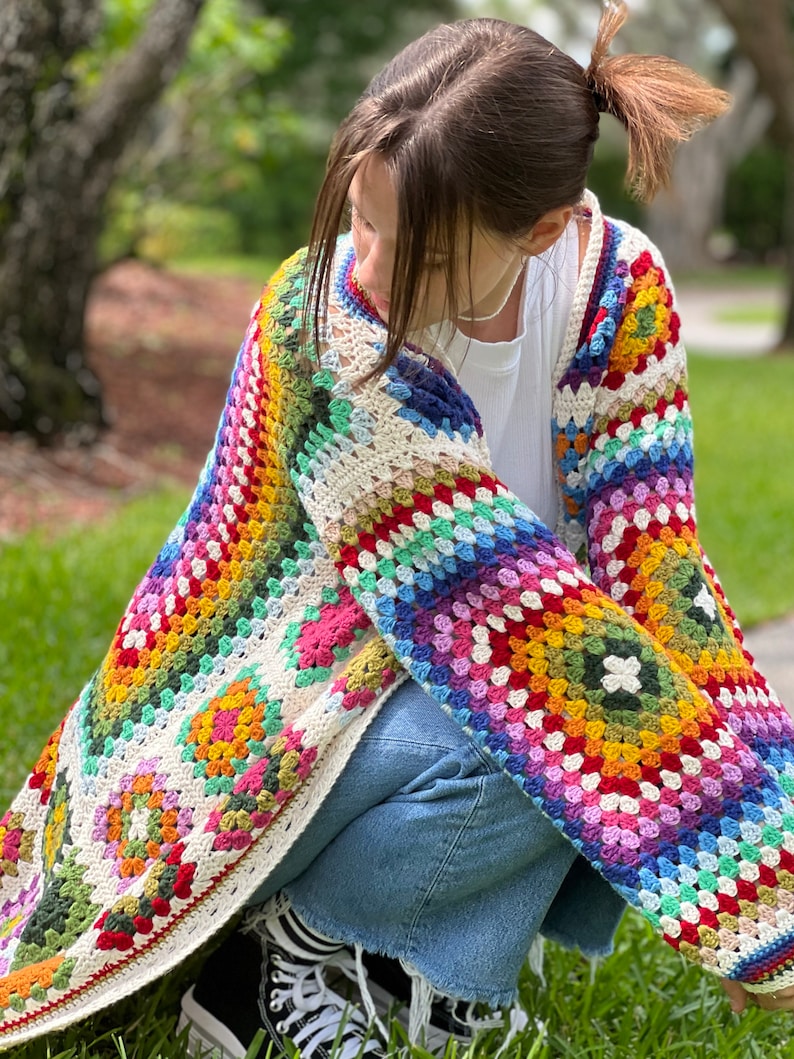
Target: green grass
[[750, 314], [732, 276], [743, 410], [243, 266], [642, 1002], [63, 596], [65, 593]]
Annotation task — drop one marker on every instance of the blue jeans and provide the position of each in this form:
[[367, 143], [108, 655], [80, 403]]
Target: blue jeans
[[426, 851]]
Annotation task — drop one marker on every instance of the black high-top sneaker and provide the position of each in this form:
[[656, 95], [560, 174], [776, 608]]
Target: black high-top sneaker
[[270, 974], [446, 1018]]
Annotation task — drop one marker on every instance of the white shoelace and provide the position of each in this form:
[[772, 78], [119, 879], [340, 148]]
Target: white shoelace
[[335, 1020], [475, 1017]]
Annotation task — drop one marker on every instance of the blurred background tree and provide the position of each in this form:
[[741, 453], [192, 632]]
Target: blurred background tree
[[60, 142], [765, 35], [98, 161], [236, 153]]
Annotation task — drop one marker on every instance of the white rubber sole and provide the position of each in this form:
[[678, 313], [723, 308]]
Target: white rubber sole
[[207, 1037]]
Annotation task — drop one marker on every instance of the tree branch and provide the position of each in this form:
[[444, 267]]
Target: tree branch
[[130, 87]]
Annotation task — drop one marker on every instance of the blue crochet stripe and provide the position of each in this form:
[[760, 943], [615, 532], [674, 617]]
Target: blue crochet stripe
[[677, 459], [432, 398], [591, 359]]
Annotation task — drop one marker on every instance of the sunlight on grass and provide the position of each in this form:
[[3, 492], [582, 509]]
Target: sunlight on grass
[[65, 595], [245, 267], [762, 313], [732, 276], [743, 410]]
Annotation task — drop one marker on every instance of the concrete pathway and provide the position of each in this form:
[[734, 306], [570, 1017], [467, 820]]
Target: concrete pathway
[[704, 327], [772, 646]]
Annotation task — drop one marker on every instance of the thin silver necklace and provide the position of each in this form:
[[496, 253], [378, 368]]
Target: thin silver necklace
[[491, 316]]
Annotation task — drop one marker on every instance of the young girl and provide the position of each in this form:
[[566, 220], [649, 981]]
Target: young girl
[[367, 689]]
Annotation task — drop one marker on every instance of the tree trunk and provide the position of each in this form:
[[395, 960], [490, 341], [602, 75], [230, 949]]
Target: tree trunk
[[57, 164], [682, 218], [786, 343], [765, 35]]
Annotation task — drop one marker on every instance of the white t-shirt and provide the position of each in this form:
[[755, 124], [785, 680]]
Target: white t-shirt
[[510, 382]]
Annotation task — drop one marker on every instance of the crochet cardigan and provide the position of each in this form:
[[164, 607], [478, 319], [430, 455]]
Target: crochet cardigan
[[346, 532]]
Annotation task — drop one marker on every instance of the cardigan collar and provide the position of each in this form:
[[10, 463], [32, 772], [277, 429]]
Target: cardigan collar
[[353, 298]]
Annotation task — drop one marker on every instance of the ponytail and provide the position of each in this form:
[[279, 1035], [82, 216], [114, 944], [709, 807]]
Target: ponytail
[[659, 101]]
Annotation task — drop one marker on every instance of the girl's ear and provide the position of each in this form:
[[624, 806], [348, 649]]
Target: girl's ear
[[546, 231]]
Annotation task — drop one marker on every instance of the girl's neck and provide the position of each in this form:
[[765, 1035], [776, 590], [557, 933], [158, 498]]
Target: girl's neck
[[506, 325], [503, 327]]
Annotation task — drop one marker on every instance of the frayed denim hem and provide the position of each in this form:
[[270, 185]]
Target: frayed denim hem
[[568, 941], [439, 978]]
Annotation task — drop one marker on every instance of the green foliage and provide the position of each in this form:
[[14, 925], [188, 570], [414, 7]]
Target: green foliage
[[204, 141], [221, 114], [607, 179], [246, 124], [335, 46], [272, 200], [164, 231], [122, 21], [229, 34], [755, 202]]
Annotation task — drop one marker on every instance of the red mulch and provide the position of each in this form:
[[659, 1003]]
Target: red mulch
[[163, 346]]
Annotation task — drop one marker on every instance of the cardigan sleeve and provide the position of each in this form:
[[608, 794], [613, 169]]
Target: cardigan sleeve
[[582, 704], [642, 537]]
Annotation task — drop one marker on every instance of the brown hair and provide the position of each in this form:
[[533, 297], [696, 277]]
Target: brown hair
[[485, 124]]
